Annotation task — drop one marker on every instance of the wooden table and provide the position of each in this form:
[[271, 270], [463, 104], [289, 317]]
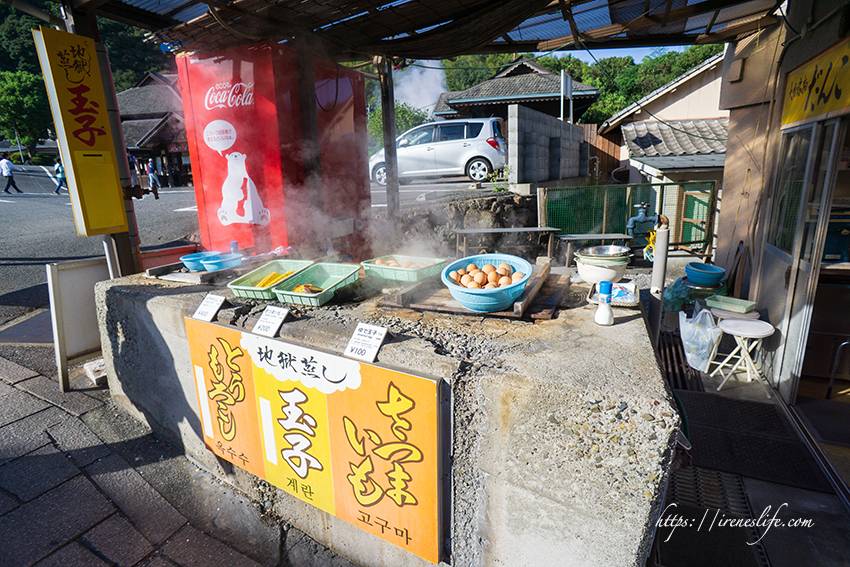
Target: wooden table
[[465, 232], [571, 239]]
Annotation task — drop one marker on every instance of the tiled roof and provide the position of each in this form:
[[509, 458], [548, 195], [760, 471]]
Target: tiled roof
[[136, 131], [148, 102], [681, 138], [442, 105], [521, 86]]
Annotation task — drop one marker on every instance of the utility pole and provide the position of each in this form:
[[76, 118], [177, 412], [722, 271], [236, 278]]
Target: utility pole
[[385, 73]]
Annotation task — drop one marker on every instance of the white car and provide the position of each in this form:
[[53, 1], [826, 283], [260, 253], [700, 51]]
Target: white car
[[474, 147]]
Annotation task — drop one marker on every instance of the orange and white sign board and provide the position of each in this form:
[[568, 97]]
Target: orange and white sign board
[[78, 103], [356, 440]]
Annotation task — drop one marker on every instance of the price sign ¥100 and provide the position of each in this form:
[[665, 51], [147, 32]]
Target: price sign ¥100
[[366, 342]]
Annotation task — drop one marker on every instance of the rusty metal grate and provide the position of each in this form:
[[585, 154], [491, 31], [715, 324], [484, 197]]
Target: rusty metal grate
[[671, 357]]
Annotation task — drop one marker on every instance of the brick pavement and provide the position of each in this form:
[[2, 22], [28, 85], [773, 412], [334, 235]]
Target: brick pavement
[[66, 499]]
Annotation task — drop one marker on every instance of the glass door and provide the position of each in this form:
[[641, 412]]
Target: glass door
[[798, 216]]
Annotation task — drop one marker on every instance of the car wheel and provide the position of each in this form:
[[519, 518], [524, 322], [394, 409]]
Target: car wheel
[[380, 174], [478, 169]]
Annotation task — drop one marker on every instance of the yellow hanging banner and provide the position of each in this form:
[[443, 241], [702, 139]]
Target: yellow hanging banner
[[819, 87], [78, 103]]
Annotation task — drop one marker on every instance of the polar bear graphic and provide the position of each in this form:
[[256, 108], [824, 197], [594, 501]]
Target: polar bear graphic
[[232, 194]]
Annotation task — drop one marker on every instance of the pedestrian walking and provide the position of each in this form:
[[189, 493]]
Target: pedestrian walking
[[6, 168], [59, 171], [150, 169]]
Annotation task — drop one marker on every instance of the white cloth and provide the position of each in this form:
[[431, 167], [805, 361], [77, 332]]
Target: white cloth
[[7, 166]]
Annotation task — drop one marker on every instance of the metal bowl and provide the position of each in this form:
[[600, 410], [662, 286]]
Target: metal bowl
[[608, 250]]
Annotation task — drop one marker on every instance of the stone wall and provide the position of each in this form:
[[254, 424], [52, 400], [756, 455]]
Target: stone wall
[[428, 229], [541, 147]]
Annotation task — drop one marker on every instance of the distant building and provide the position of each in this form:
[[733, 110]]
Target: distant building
[[676, 133], [525, 83], [153, 126]]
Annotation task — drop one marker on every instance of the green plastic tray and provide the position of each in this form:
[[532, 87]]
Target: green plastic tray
[[730, 304], [432, 267], [246, 286], [327, 276]]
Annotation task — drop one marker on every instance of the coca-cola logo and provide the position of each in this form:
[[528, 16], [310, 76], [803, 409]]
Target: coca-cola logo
[[227, 95]]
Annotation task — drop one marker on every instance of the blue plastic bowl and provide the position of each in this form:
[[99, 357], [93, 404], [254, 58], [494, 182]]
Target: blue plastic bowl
[[193, 261], [221, 262], [704, 274], [487, 300]]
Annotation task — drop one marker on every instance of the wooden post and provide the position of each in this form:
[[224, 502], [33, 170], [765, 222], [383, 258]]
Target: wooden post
[[385, 73], [124, 245], [312, 219]]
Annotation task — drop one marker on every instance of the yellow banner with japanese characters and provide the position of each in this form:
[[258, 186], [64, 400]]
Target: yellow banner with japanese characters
[[819, 87], [356, 440], [78, 103]]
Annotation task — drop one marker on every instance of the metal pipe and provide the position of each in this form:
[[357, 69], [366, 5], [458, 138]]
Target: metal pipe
[[835, 368], [659, 274], [35, 12]]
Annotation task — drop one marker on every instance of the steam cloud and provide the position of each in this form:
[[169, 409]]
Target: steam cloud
[[420, 87]]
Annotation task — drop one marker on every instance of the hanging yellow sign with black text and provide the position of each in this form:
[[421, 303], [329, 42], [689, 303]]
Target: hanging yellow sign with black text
[[820, 87], [78, 103]]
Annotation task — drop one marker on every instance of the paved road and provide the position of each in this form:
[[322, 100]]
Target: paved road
[[435, 187], [37, 227]]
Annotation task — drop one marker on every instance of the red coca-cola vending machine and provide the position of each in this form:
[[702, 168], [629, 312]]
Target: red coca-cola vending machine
[[243, 124]]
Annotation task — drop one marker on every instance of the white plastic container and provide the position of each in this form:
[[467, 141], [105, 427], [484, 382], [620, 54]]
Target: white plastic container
[[604, 314]]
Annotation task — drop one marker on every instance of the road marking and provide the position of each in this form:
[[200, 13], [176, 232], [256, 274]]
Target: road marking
[[187, 209], [5, 201], [384, 205]]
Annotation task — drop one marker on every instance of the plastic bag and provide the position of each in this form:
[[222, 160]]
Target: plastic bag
[[699, 335]]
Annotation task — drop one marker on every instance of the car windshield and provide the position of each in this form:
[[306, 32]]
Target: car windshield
[[421, 136]]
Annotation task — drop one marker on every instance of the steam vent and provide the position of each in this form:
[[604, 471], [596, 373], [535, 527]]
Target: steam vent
[[541, 442]]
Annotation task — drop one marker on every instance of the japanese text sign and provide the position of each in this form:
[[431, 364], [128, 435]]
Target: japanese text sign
[[75, 90], [356, 440], [366, 342], [819, 87]]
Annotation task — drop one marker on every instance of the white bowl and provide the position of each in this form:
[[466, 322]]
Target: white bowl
[[596, 274]]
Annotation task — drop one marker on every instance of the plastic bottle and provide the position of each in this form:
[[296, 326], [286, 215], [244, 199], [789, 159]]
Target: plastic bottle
[[604, 315], [234, 247]]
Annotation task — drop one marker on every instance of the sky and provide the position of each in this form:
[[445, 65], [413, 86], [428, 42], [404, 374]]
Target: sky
[[637, 53]]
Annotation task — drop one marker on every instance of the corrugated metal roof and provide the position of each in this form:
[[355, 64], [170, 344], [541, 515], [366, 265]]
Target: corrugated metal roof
[[434, 29]]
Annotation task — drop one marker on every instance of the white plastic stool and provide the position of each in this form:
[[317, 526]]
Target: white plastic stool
[[721, 314], [748, 335]]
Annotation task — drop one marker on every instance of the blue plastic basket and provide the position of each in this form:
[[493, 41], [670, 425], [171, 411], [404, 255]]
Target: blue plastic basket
[[193, 261], [487, 300]]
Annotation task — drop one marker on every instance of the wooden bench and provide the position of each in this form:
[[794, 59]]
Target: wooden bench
[[571, 240], [463, 233]]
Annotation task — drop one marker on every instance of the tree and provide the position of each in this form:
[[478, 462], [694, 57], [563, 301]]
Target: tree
[[24, 109], [575, 68], [406, 117], [131, 56], [469, 70]]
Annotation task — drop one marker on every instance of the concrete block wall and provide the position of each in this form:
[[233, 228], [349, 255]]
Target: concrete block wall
[[562, 433], [541, 147]]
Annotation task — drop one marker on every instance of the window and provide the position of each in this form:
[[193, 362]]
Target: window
[[453, 132], [418, 137], [474, 129], [789, 189], [497, 129]]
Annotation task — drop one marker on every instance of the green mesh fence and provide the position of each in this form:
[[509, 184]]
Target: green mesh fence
[[607, 208]]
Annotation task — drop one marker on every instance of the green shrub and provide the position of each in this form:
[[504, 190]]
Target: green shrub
[[42, 159]]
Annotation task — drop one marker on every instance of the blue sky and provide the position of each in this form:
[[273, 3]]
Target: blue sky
[[637, 53]]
